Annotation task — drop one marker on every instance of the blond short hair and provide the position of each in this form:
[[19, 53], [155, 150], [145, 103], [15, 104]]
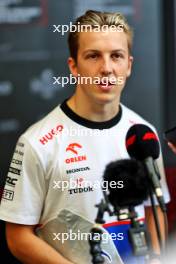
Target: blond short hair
[[94, 18]]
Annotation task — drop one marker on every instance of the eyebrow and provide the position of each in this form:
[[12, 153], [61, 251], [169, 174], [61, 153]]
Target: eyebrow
[[98, 51]]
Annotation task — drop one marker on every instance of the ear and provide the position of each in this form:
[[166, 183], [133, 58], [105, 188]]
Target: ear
[[72, 66], [130, 63]]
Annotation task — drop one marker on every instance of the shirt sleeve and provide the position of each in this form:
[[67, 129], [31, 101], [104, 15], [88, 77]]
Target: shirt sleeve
[[23, 195]]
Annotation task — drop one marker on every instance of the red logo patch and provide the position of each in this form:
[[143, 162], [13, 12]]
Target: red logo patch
[[72, 146]]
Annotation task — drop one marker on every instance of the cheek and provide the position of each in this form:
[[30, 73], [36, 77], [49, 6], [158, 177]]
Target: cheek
[[124, 68], [87, 70]]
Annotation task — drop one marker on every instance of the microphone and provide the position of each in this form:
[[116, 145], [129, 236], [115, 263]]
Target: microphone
[[135, 190], [143, 144], [135, 183]]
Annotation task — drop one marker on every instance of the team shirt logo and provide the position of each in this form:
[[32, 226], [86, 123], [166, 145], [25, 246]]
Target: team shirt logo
[[51, 134], [74, 148]]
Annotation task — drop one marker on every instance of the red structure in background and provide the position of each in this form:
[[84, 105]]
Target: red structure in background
[[44, 18], [171, 181]]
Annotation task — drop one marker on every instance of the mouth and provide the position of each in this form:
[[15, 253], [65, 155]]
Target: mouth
[[106, 85]]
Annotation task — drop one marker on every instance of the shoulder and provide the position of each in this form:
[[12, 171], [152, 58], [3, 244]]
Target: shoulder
[[46, 128], [40, 138], [38, 143], [134, 118]]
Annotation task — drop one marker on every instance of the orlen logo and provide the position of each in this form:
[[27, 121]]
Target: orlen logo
[[74, 148], [53, 132], [71, 147]]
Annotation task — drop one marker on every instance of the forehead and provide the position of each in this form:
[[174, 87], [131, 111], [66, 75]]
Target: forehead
[[102, 41]]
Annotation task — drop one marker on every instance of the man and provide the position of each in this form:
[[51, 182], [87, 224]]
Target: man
[[48, 154]]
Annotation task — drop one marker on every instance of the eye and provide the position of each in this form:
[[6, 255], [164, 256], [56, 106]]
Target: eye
[[117, 55], [92, 56]]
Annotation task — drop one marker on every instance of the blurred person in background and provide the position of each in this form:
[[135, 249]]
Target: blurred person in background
[[172, 147]]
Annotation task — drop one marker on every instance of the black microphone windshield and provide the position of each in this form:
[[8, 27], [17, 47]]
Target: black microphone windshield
[[142, 142], [133, 174]]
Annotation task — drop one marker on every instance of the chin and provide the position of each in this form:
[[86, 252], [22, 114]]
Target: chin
[[106, 98]]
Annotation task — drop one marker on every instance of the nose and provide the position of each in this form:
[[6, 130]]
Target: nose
[[106, 66]]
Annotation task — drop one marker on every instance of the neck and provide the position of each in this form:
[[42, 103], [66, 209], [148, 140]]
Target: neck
[[90, 110]]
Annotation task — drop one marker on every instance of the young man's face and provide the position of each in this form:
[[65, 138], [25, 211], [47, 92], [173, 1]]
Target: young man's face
[[104, 57]]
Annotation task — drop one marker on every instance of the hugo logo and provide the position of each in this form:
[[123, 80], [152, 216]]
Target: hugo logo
[[53, 132]]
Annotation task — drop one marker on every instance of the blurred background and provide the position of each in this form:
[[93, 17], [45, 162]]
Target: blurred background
[[31, 54]]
